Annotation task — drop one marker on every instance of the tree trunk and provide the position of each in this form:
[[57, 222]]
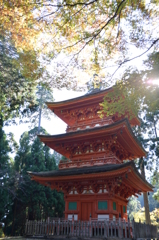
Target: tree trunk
[[154, 123], [14, 215], [146, 203], [39, 120]]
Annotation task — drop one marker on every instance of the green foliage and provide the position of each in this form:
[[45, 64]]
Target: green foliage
[[137, 95], [156, 195], [109, 27], [33, 201], [1, 233], [5, 174], [19, 72], [43, 95], [122, 100], [133, 206], [155, 182]]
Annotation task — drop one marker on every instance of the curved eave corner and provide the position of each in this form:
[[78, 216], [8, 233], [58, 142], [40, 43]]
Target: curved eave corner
[[78, 134], [135, 170], [70, 173]]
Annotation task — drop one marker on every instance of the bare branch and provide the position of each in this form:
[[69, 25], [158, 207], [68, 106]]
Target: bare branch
[[70, 5], [118, 25], [47, 15]]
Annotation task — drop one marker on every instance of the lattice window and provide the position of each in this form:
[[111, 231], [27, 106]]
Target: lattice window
[[124, 209], [72, 206], [114, 205], [102, 205]]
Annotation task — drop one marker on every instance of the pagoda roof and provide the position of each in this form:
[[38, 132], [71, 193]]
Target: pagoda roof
[[108, 171], [94, 97], [119, 132]]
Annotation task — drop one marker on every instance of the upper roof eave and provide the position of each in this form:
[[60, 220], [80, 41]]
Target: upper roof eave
[[81, 101], [81, 98]]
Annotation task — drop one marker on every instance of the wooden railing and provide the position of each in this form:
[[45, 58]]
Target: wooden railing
[[95, 228], [142, 230]]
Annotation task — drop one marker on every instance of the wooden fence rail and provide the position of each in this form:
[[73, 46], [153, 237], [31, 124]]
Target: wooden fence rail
[[97, 228], [103, 229]]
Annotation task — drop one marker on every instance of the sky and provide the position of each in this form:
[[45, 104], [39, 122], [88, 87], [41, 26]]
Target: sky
[[53, 126]]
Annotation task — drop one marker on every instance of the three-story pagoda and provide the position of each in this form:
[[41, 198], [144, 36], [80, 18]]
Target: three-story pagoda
[[95, 178]]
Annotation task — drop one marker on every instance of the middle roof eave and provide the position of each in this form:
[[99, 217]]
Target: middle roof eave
[[114, 128]]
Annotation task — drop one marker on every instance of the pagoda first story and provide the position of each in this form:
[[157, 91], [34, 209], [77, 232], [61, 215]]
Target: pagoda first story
[[94, 179], [99, 192]]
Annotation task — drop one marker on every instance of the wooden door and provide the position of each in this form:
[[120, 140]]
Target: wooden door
[[86, 210]]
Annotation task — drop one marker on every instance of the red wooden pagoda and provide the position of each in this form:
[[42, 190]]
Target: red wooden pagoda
[[95, 178]]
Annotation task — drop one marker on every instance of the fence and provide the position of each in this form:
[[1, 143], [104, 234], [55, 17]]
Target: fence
[[102, 229], [142, 230]]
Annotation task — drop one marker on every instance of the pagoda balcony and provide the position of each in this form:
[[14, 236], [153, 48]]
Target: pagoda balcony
[[88, 162], [89, 123]]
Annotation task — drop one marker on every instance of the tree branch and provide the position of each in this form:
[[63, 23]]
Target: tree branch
[[128, 60], [99, 30], [70, 5]]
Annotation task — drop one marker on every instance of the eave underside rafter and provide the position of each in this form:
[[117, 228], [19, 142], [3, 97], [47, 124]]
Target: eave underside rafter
[[122, 185]]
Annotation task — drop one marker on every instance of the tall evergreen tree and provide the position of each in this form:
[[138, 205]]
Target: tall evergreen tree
[[34, 201], [19, 72]]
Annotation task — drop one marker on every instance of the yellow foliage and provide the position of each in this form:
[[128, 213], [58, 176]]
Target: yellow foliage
[[16, 19], [154, 216]]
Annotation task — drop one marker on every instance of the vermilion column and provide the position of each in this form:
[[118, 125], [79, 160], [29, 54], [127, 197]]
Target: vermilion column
[[110, 209]]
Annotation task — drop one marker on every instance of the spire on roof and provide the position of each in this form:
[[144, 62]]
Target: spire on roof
[[96, 84]]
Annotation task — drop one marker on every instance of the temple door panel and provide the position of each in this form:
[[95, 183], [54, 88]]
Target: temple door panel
[[120, 210], [86, 210]]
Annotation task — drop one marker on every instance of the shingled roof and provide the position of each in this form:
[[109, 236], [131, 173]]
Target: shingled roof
[[89, 170]]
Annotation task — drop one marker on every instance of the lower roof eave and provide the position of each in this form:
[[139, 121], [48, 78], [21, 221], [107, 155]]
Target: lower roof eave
[[93, 172]]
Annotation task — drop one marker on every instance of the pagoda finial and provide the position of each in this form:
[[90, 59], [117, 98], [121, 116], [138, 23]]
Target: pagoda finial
[[96, 83]]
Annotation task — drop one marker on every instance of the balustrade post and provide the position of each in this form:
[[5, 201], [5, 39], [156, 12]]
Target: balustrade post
[[105, 232], [82, 229], [108, 228], [76, 228], [58, 225], [129, 236], [125, 227], [67, 227], [119, 227], [79, 228], [111, 224], [90, 225], [95, 229], [54, 227], [72, 229], [64, 227], [133, 230], [115, 228], [48, 226], [26, 226]]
